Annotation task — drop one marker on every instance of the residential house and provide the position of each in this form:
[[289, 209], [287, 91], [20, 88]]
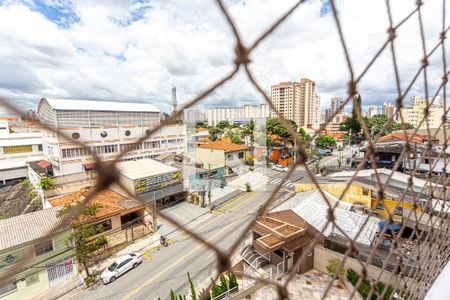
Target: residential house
[[283, 236], [223, 156], [37, 262], [122, 218]]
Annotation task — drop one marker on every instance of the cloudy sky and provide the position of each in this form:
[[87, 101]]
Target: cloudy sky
[[136, 50]]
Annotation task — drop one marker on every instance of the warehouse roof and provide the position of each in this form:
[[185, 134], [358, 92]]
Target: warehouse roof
[[143, 168], [96, 105], [28, 227]]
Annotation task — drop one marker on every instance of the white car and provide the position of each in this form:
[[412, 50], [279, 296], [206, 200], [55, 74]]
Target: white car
[[280, 168], [120, 266]]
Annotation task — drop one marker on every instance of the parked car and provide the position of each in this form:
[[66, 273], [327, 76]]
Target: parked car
[[122, 265], [280, 168]]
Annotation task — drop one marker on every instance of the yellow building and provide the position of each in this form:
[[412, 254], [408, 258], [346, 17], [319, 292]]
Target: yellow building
[[360, 193], [223, 155]]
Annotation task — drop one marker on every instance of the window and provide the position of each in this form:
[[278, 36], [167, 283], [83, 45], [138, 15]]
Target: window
[[279, 252], [124, 263], [365, 192], [398, 211], [43, 247], [17, 149], [40, 148], [105, 149], [127, 133], [103, 134], [75, 135], [241, 155], [32, 279], [379, 206], [74, 152], [130, 147], [8, 288], [105, 224]]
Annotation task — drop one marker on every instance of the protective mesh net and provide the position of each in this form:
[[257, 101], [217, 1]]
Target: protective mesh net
[[414, 269]]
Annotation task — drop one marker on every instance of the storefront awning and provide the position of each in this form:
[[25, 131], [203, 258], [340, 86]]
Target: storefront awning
[[163, 192], [44, 164], [88, 166]]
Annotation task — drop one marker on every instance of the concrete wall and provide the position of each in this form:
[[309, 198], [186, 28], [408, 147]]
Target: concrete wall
[[13, 174], [214, 158], [65, 184], [322, 255]]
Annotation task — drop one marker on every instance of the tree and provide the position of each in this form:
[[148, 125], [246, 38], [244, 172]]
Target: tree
[[46, 183], [81, 236], [377, 122], [304, 136], [352, 125], [213, 133], [191, 284], [223, 125], [234, 137], [275, 126], [325, 142]]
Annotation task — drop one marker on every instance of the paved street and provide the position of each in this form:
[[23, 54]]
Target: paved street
[[166, 268]]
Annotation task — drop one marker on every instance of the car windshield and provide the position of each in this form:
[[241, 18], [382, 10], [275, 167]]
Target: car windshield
[[112, 267]]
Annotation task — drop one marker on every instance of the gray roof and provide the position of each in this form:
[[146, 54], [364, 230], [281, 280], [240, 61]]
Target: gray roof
[[27, 227], [313, 208], [97, 105]]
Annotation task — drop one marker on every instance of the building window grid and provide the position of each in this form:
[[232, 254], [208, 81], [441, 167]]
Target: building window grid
[[130, 147], [17, 149], [105, 149], [74, 152]]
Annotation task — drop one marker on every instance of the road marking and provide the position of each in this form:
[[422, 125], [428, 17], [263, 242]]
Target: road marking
[[232, 202], [276, 180], [172, 265], [243, 202]]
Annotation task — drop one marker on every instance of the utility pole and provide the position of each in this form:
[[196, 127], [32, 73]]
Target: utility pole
[[154, 217], [209, 188]]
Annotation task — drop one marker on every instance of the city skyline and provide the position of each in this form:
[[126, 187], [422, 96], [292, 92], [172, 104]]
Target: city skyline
[[72, 53]]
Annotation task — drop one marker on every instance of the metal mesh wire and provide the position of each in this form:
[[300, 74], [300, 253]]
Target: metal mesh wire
[[431, 251]]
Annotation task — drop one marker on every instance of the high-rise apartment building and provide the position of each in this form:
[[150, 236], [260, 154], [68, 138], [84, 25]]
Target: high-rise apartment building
[[233, 114], [105, 128], [335, 104], [372, 111], [297, 101], [414, 112], [388, 109]]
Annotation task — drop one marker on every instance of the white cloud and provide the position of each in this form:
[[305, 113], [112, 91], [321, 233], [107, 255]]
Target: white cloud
[[129, 50]]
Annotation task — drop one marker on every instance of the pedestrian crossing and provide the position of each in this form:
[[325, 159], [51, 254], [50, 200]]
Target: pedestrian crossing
[[274, 173], [288, 183]]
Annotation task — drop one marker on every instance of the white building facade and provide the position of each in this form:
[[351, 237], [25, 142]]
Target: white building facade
[[231, 114], [16, 150], [414, 112], [106, 128]]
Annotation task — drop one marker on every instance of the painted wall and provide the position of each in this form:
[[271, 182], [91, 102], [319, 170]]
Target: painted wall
[[22, 253], [357, 194], [212, 157]]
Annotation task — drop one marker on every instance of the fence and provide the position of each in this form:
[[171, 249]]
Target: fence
[[423, 276]]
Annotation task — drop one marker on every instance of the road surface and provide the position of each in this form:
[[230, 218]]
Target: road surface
[[165, 269]]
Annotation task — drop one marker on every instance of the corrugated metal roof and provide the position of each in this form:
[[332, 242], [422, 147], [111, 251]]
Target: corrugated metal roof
[[28, 227], [143, 168], [96, 105], [313, 208]]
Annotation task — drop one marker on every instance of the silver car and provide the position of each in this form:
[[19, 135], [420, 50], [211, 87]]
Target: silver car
[[120, 266]]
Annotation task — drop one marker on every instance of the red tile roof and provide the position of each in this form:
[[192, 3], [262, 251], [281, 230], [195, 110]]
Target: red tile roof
[[413, 138], [224, 145], [109, 203]]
